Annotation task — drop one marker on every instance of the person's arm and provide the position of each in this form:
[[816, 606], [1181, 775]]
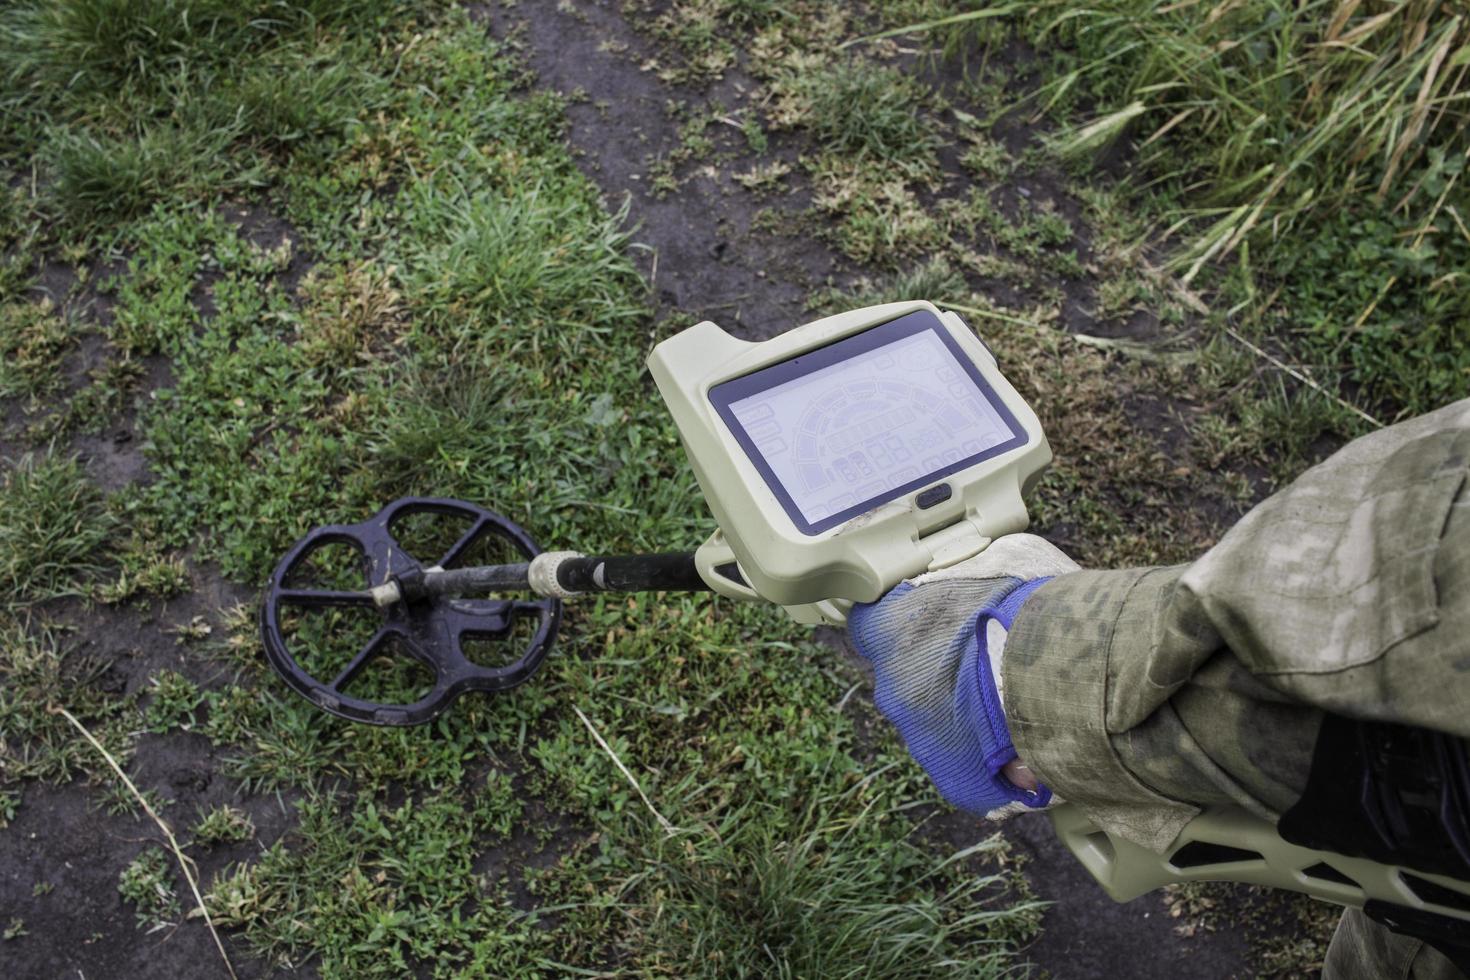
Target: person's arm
[[1144, 693]]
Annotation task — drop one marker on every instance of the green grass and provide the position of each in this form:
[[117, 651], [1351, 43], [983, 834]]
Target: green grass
[[219, 455], [172, 701], [812, 892], [857, 108], [36, 674], [536, 276], [34, 337], [147, 884], [224, 824], [54, 531], [145, 569], [395, 881], [125, 105], [19, 229], [937, 277], [1272, 99], [99, 178]]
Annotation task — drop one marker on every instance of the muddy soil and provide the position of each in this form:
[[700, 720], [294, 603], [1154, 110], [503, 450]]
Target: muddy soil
[[59, 859], [704, 257]]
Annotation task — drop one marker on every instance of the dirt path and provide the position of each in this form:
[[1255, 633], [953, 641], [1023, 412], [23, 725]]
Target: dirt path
[[708, 258]]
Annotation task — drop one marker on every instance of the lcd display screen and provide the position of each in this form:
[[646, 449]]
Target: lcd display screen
[[839, 430]]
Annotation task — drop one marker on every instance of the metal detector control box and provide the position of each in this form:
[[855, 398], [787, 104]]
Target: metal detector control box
[[848, 454]]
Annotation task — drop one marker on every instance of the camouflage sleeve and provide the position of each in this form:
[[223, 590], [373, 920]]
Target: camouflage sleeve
[[1143, 694]]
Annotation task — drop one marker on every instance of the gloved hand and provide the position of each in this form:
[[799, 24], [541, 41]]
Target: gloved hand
[[935, 643]]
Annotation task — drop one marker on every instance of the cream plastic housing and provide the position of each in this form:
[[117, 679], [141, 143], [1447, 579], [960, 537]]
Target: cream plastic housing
[[1228, 844], [759, 552]]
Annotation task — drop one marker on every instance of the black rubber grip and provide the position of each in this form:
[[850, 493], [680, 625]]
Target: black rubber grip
[[673, 571]]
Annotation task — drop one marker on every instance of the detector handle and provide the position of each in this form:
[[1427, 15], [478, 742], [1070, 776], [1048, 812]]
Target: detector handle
[[1230, 844]]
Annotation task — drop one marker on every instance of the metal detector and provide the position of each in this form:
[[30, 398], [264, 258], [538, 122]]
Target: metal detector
[[837, 459]]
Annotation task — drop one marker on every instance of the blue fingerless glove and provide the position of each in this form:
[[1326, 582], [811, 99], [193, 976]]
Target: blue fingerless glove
[[935, 651]]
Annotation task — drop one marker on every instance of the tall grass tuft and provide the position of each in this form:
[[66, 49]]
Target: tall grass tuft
[[54, 525], [1322, 146], [1283, 109], [98, 46], [860, 109], [125, 103], [102, 177], [1319, 145], [1276, 109], [543, 268], [828, 891]]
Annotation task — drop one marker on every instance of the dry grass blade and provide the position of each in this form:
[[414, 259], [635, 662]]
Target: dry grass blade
[[1173, 121], [173, 843], [1100, 132], [1340, 17], [1421, 106], [1369, 27], [663, 822], [988, 314], [988, 13], [1280, 366]]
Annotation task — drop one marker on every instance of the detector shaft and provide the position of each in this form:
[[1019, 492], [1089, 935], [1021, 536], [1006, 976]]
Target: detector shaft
[[552, 573]]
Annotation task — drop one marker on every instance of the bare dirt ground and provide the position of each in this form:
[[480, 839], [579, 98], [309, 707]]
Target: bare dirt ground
[[66, 837]]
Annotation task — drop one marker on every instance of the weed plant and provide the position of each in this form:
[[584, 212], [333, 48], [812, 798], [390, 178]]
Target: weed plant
[[33, 338], [857, 108], [224, 824], [172, 702], [148, 884]]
